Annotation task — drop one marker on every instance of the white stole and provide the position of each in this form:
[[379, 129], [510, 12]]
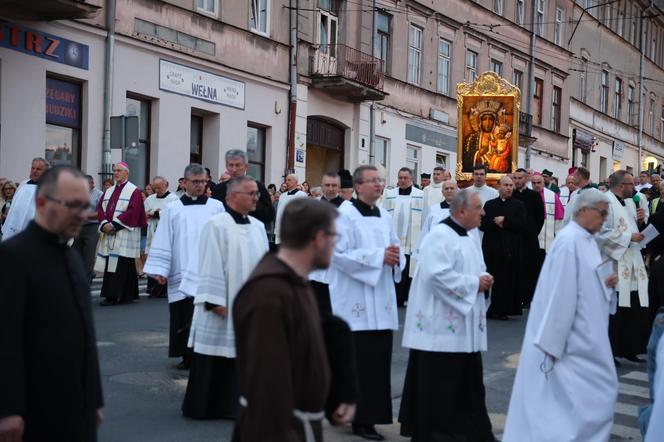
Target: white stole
[[547, 233]]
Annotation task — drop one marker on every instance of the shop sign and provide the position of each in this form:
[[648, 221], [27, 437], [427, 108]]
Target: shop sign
[[430, 137], [63, 103], [583, 140], [43, 45], [618, 149], [201, 85]]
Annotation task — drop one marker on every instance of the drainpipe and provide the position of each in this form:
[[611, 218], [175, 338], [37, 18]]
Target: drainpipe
[[531, 76], [107, 165], [641, 89], [292, 108], [372, 108]]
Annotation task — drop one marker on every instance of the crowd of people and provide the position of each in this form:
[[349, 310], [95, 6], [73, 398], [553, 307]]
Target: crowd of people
[[278, 341]]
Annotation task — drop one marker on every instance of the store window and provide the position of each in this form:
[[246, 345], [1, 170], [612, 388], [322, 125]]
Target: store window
[[196, 140], [138, 156], [63, 122], [256, 152]]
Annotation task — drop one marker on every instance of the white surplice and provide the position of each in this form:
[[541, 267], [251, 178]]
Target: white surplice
[[284, 199], [361, 285], [433, 195], [406, 213], [566, 385], [152, 204], [485, 193], [176, 241], [22, 210], [228, 253], [445, 311], [615, 242]]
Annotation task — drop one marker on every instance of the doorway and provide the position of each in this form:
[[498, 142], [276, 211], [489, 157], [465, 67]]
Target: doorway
[[325, 149]]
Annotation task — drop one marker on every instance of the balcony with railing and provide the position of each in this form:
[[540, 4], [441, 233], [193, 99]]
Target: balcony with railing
[[346, 72]]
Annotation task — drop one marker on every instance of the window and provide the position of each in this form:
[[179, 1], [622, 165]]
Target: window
[[555, 109], [328, 25], [413, 159], [471, 65], [380, 152], [498, 7], [497, 67], [585, 157], [537, 97], [138, 156], [591, 7], [196, 140], [414, 54], [630, 105], [653, 43], [621, 21], [518, 17], [256, 152], [517, 80], [259, 16], [634, 34], [604, 92], [583, 82], [444, 54], [617, 99], [651, 116], [207, 6], [442, 160], [539, 18], [608, 15], [558, 30], [63, 123], [602, 167], [382, 40]]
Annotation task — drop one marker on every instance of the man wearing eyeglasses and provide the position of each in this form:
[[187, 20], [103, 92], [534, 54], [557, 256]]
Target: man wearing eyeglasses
[[121, 216], [629, 327], [231, 245], [175, 247], [50, 388]]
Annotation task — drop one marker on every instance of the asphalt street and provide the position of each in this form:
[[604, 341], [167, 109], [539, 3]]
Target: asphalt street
[[143, 390]]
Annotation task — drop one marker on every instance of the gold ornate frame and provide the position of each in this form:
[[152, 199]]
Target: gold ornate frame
[[490, 94]]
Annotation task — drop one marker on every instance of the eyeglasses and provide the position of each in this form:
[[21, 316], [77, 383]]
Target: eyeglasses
[[76, 206], [372, 181], [602, 212], [255, 194], [197, 182], [335, 235]]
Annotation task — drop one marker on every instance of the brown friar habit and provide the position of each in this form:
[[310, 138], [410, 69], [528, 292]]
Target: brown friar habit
[[282, 367]]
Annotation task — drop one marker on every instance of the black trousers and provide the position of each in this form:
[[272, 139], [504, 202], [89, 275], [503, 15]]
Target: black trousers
[[403, 287], [373, 353], [86, 244], [629, 329], [181, 313]]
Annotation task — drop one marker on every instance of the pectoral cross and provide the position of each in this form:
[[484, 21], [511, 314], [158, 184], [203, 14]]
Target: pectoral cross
[[452, 318], [357, 310]]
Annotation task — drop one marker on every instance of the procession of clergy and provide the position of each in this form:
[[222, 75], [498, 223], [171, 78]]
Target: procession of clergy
[[453, 257]]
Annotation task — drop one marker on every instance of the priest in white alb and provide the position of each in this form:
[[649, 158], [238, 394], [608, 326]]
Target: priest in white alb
[[154, 205], [566, 385], [23, 207], [619, 240], [480, 186], [554, 212], [175, 248], [231, 245], [440, 210], [292, 192], [405, 204], [433, 193], [445, 330], [367, 262]]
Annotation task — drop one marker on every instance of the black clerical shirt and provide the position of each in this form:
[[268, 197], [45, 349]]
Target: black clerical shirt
[[405, 191], [189, 201], [365, 209]]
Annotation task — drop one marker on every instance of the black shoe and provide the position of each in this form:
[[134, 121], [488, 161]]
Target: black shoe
[[636, 359], [367, 432], [184, 365], [108, 302]]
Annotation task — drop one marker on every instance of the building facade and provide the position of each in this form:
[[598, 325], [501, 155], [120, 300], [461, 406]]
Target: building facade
[[376, 83]]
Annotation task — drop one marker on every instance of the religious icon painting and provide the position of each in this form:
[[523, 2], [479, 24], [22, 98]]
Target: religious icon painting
[[488, 126]]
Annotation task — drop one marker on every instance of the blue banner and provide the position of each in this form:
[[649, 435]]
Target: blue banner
[[43, 45], [63, 103]]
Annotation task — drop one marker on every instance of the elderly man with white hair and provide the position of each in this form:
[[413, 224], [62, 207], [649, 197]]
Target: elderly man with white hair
[[445, 330], [292, 192], [566, 384]]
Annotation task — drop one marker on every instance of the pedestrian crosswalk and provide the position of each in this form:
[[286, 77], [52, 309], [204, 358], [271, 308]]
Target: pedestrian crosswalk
[[633, 392], [95, 287]]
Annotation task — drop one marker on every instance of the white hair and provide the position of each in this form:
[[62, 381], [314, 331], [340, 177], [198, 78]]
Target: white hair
[[588, 198], [461, 200]]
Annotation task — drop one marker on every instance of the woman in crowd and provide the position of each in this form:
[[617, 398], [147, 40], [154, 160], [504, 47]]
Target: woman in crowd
[[7, 194]]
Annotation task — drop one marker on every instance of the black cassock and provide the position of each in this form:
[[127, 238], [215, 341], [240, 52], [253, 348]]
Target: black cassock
[[655, 249], [49, 373], [532, 255], [502, 248]]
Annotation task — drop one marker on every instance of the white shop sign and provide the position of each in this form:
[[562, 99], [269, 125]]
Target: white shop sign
[[199, 84], [618, 149]]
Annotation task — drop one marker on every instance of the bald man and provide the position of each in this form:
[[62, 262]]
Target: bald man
[[292, 193]]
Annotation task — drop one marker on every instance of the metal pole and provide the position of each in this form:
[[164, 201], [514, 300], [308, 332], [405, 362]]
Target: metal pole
[[372, 109], [107, 165], [641, 91], [292, 108], [531, 75]]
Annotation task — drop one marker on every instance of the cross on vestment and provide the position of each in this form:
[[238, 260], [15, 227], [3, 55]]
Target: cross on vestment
[[452, 318], [419, 317], [357, 310]]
